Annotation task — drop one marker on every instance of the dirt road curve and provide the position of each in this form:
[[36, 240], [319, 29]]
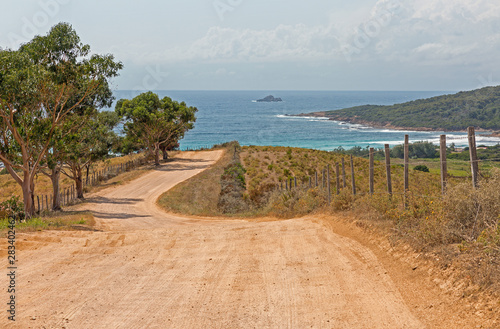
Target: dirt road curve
[[148, 269]]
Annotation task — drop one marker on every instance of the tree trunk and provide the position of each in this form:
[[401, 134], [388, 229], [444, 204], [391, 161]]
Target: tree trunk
[[28, 196], [164, 152], [54, 177], [79, 183], [157, 155], [80, 175]]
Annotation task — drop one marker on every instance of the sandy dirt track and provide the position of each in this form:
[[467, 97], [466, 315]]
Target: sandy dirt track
[[149, 269]]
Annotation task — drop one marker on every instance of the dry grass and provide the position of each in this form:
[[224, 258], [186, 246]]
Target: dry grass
[[54, 221]]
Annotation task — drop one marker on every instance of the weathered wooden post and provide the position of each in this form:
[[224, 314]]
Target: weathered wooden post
[[316, 176], [295, 178], [310, 182], [473, 156], [371, 169], [344, 183], [444, 167], [47, 202], [388, 168], [353, 180], [407, 167], [328, 183], [38, 201], [286, 184], [337, 173]]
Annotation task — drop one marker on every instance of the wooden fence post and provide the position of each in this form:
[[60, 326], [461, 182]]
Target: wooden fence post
[[310, 182], [47, 202], [407, 162], [295, 178], [388, 168], [371, 169], [316, 175], [352, 177], [337, 173], [328, 183], [38, 201], [473, 156], [51, 202], [444, 167], [344, 183], [286, 184], [407, 167]]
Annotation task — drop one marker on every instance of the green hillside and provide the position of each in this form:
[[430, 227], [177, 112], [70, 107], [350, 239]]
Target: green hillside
[[479, 108]]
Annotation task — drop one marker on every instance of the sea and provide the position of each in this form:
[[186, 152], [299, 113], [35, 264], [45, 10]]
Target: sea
[[225, 116]]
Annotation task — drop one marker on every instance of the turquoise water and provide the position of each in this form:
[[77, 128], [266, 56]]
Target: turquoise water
[[234, 115]]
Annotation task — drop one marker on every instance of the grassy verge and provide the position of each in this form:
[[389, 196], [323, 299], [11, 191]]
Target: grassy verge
[[199, 195], [54, 221]]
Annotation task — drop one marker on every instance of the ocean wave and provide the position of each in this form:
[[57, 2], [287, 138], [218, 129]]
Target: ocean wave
[[308, 118]]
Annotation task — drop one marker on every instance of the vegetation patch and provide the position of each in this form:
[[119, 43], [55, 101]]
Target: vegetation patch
[[478, 108]]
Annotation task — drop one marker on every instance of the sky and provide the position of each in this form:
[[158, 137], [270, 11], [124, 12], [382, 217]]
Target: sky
[[443, 45]]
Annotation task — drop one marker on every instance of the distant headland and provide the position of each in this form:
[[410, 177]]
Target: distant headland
[[270, 98], [479, 108]]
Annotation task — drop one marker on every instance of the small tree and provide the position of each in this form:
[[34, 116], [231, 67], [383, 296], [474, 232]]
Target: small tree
[[91, 143], [155, 124]]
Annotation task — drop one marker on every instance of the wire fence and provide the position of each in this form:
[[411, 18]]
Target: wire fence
[[345, 176]]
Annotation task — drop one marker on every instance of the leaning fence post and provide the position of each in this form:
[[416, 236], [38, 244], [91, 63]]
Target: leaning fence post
[[352, 177], [388, 168], [473, 156], [371, 170], [444, 167]]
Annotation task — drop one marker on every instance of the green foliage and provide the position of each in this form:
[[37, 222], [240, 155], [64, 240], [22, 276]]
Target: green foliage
[[233, 185], [479, 108], [416, 150], [12, 208], [422, 168], [42, 84], [152, 123]]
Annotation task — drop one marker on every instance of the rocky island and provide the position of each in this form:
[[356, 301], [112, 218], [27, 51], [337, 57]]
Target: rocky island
[[270, 98]]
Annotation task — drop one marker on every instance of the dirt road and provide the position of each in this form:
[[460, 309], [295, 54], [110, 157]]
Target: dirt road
[[148, 269]]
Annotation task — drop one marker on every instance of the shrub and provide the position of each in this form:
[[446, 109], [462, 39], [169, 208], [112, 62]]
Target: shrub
[[422, 168], [12, 208]]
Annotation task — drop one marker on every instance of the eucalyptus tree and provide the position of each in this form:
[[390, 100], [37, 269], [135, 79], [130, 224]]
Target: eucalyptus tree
[[41, 84], [91, 143], [153, 123]]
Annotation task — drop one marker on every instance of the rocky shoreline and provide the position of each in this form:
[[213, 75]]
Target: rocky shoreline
[[377, 125]]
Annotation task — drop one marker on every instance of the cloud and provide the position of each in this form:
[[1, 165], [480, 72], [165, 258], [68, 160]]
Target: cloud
[[427, 32], [285, 42]]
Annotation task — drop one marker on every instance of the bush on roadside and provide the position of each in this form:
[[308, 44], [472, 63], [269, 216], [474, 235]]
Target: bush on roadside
[[12, 208]]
